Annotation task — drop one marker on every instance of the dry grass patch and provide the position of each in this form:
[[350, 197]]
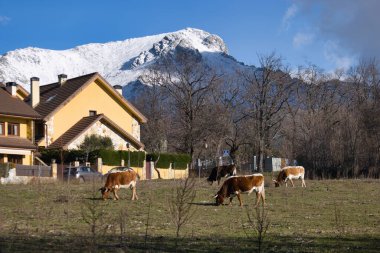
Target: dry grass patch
[[327, 216]]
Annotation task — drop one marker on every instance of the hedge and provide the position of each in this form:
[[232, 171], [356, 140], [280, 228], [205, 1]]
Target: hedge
[[179, 161], [109, 157], [47, 155], [113, 157]]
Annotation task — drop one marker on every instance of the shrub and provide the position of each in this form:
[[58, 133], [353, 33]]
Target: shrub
[[96, 142], [179, 161], [47, 155], [113, 157]]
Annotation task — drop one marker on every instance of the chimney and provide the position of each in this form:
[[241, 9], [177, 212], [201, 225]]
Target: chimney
[[119, 89], [11, 87], [34, 91], [62, 79]]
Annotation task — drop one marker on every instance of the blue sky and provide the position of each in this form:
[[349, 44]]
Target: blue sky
[[321, 32]]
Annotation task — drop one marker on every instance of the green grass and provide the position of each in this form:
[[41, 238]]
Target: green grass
[[327, 216]]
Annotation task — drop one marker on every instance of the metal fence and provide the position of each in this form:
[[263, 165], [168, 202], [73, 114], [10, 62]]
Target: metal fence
[[203, 168], [33, 170]]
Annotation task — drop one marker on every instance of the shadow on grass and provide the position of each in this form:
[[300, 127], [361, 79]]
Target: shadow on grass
[[96, 198], [202, 204], [112, 243]]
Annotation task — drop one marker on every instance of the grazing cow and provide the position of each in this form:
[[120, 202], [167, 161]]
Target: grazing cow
[[117, 180], [242, 184], [290, 173], [221, 171]]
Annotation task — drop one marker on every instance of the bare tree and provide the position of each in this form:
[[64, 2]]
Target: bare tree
[[232, 133], [188, 82], [364, 88], [318, 119], [266, 92], [257, 225], [179, 201], [153, 104]]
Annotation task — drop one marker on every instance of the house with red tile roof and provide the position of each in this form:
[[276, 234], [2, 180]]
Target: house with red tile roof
[[17, 125], [74, 108]]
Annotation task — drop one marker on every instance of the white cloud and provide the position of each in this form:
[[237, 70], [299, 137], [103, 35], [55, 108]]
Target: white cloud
[[302, 39], [334, 56], [350, 23], [4, 20], [289, 14]]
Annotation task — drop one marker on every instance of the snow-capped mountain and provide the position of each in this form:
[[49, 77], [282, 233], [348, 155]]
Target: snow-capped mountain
[[120, 62]]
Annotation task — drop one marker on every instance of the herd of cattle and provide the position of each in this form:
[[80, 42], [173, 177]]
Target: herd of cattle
[[233, 186]]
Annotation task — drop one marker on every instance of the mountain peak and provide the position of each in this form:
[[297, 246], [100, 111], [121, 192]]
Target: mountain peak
[[120, 62]]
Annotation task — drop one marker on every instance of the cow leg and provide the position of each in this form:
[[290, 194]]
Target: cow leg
[[134, 194], [263, 196], [257, 199], [239, 197], [116, 197], [303, 183], [291, 181], [219, 178], [114, 194], [230, 201]]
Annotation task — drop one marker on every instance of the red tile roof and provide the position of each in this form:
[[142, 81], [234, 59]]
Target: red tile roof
[[54, 96], [16, 142], [13, 106]]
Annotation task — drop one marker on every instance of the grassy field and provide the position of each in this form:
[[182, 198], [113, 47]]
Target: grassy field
[[327, 216]]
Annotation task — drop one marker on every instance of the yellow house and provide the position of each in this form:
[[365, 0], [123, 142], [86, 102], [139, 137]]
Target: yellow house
[[17, 120], [84, 105]]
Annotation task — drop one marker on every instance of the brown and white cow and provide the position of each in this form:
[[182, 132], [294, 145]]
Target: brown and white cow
[[221, 171], [236, 185], [117, 180], [290, 173]]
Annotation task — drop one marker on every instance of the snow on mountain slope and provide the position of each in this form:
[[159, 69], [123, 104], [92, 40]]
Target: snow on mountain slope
[[120, 62]]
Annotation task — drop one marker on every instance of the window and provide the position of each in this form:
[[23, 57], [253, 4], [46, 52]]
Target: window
[[14, 129], [93, 113], [16, 159], [40, 130], [2, 128]]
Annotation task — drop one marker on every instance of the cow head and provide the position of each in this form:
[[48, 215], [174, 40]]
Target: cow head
[[276, 183], [210, 181], [105, 191], [219, 199]]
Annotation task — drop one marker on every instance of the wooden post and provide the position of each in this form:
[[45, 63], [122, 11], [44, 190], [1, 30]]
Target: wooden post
[[99, 165], [54, 173], [143, 171]]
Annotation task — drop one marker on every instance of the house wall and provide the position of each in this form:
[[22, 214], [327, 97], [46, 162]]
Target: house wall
[[24, 125], [94, 97], [27, 160], [170, 173], [101, 130], [25, 132], [166, 173]]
